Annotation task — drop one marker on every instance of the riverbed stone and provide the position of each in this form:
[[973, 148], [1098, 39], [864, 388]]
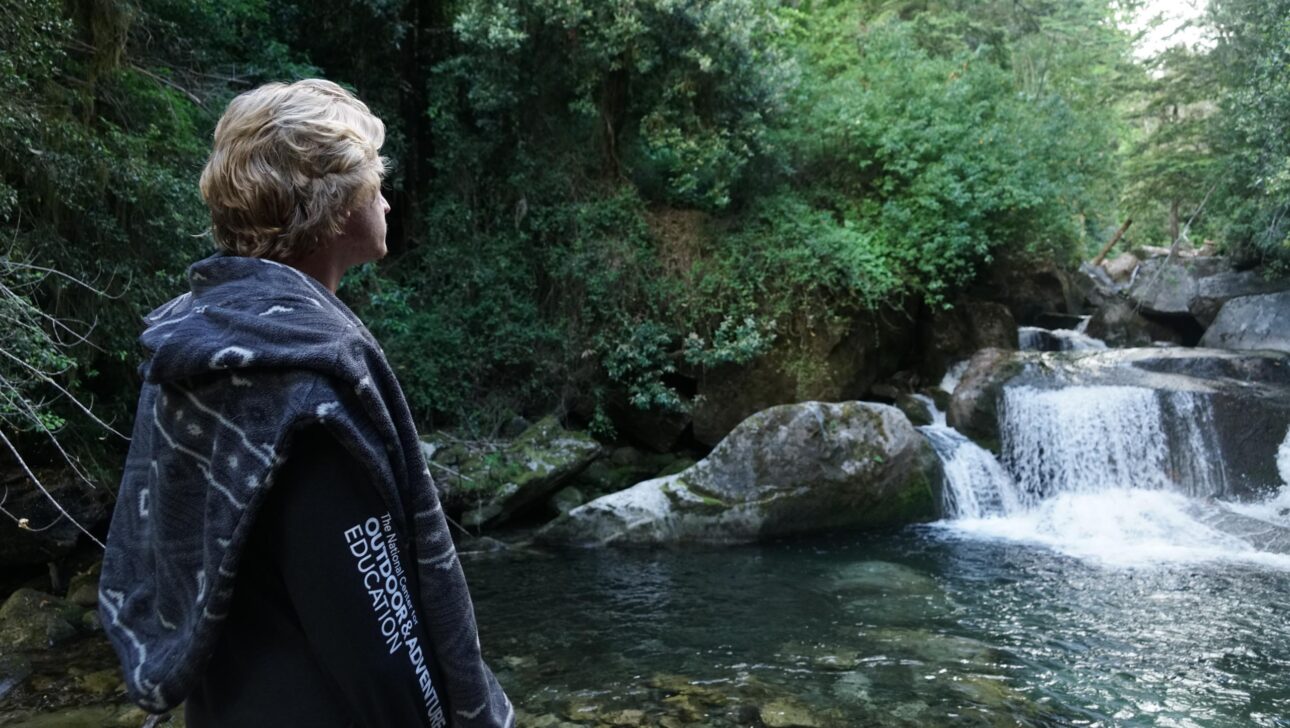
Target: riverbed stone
[[790, 469], [83, 587], [1252, 323], [787, 713], [31, 620]]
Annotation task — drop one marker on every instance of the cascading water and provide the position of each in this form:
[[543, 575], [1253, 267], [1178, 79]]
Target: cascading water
[[976, 485], [1121, 475], [1089, 439], [1032, 338]]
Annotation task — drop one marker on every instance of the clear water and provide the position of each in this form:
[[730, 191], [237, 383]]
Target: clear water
[[929, 626]]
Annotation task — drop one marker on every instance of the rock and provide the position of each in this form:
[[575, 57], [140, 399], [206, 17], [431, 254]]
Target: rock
[[787, 714], [514, 427], [45, 542], [102, 683], [974, 410], [914, 409], [30, 620], [83, 588], [827, 361], [627, 718], [789, 469], [658, 430], [1029, 289], [526, 471], [566, 499], [1252, 322], [947, 336], [1214, 291], [1120, 324], [1166, 287], [1121, 267], [606, 476], [14, 669], [1248, 394]]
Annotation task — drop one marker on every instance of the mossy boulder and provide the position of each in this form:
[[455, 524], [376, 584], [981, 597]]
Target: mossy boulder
[[789, 469], [526, 471], [31, 620]]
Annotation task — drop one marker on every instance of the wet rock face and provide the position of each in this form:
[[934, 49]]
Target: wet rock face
[[1252, 322], [789, 469]]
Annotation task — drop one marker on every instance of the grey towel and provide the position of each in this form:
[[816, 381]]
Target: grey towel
[[252, 353]]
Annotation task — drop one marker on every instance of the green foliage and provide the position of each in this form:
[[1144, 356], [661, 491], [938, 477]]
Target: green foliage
[[1252, 133], [1172, 166]]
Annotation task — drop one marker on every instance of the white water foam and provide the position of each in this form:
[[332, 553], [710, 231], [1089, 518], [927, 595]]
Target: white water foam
[[1122, 528], [1283, 459]]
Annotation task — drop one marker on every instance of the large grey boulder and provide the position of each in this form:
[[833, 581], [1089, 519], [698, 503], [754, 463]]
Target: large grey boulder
[[1214, 291], [789, 469], [1166, 287], [1247, 396], [1252, 322]]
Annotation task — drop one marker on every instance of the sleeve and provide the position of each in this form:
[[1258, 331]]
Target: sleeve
[[338, 553]]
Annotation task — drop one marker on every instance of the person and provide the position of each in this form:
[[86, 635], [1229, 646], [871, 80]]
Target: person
[[277, 554]]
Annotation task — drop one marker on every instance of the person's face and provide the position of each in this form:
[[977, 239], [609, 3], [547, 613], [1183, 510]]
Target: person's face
[[364, 232]]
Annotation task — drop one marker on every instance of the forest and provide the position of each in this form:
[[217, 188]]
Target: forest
[[587, 194]]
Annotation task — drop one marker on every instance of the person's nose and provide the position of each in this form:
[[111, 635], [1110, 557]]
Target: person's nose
[[385, 205]]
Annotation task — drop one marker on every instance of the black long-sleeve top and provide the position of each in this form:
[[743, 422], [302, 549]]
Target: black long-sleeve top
[[325, 629]]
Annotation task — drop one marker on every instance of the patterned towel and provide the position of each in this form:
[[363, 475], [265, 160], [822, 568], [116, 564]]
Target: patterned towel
[[255, 351]]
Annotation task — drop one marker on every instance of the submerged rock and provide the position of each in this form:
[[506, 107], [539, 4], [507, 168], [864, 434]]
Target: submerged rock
[[785, 713], [789, 469]]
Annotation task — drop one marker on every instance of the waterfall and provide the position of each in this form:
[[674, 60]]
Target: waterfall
[[1081, 440], [1089, 439]]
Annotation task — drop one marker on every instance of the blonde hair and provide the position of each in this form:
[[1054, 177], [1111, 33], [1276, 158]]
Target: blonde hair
[[289, 161]]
